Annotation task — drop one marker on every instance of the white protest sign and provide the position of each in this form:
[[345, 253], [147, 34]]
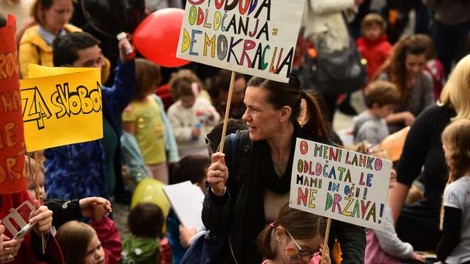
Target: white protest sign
[[340, 184], [255, 37]]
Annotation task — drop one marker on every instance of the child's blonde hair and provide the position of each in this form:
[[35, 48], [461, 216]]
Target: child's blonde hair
[[371, 20], [456, 137]]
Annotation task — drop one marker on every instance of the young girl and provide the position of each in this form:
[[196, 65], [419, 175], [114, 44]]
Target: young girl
[[294, 237], [191, 115], [454, 246], [385, 246], [99, 243], [146, 120]]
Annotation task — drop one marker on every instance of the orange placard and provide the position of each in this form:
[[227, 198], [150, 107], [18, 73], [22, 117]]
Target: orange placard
[[12, 176]]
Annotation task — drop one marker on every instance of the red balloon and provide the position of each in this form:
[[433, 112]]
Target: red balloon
[[156, 38]]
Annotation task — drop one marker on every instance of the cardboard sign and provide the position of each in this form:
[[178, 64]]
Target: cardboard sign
[[340, 184], [12, 174], [186, 199], [255, 37], [61, 106]]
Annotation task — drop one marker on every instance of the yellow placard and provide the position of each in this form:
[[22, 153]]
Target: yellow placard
[[61, 106]]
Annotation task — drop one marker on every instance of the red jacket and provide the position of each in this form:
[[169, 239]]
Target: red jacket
[[375, 52], [110, 239], [26, 254]]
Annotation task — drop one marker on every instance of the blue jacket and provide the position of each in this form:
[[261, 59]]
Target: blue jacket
[[77, 170]]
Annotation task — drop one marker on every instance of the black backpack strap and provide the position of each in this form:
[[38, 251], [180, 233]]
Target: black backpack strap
[[240, 148]]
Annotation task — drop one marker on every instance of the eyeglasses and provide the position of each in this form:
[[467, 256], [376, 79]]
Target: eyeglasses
[[300, 253]]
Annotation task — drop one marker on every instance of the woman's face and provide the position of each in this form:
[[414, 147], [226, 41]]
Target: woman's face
[[58, 15], [260, 116], [415, 63], [95, 252]]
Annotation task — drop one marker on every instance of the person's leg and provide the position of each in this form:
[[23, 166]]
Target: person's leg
[[443, 37], [159, 172], [461, 34], [329, 106], [422, 235]]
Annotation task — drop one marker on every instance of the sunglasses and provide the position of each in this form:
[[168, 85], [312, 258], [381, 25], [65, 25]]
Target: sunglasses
[[300, 252]]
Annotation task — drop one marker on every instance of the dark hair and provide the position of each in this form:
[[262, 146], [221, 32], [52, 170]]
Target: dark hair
[[220, 81], [456, 136], [65, 48], [190, 168], [3, 20], [148, 76], [146, 220], [73, 238], [289, 94], [430, 48], [301, 225], [381, 93], [214, 136], [395, 65]]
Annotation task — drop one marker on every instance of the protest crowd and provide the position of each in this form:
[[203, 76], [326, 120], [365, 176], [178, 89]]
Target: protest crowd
[[352, 146]]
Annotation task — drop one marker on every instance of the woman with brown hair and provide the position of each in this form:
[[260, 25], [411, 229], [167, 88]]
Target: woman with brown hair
[[405, 68], [240, 205]]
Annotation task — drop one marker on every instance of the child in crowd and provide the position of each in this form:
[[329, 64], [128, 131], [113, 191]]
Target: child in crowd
[[454, 246], [191, 115], [373, 43], [190, 168], [63, 210], [99, 243], [294, 237], [370, 125], [385, 246], [145, 223], [145, 118], [433, 66]]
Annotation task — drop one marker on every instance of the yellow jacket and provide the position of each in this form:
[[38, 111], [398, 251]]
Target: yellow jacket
[[33, 49]]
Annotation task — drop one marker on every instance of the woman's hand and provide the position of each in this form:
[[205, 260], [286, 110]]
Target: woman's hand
[[217, 174], [9, 248], [418, 257], [42, 217]]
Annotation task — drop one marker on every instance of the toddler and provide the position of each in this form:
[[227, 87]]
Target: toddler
[[191, 115]]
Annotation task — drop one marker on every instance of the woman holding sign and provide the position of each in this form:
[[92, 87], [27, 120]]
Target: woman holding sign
[[241, 205]]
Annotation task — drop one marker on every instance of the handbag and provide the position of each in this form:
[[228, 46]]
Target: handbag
[[336, 72]]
